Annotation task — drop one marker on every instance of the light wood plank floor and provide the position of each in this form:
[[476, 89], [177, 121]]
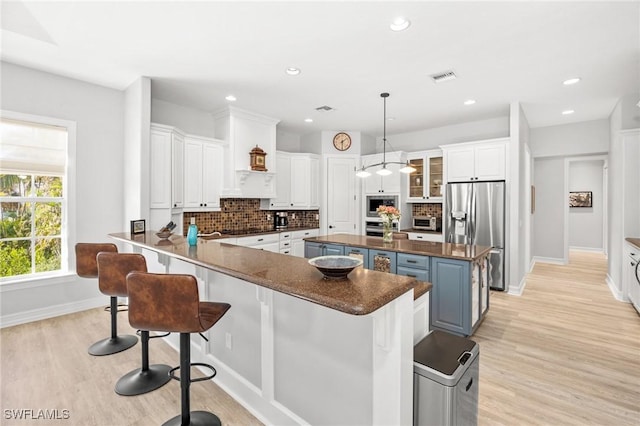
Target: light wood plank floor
[[565, 353]]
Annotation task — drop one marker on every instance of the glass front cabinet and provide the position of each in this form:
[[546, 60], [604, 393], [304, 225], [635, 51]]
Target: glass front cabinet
[[426, 183]]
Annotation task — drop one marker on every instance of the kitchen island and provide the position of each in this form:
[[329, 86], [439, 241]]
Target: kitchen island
[[459, 273], [296, 348]]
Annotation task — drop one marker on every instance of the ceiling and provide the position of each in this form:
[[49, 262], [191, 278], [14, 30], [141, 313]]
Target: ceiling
[[196, 53]]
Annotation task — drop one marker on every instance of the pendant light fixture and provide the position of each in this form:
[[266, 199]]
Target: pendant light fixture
[[384, 171]]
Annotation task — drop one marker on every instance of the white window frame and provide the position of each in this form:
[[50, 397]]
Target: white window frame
[[68, 232]]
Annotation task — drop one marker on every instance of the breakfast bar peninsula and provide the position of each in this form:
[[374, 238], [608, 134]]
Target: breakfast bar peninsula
[[296, 348]]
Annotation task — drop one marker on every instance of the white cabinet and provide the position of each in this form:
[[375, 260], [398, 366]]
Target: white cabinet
[[629, 270], [166, 167], [204, 165], [390, 184], [297, 182], [297, 240], [475, 161], [426, 183], [425, 236]]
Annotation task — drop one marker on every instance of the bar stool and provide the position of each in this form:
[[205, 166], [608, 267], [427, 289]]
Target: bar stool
[[112, 271], [170, 302], [87, 267]]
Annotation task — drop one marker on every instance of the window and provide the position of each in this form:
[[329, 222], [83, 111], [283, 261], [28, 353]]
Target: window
[[34, 188]]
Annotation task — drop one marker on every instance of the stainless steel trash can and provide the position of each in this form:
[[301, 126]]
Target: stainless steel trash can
[[445, 380]]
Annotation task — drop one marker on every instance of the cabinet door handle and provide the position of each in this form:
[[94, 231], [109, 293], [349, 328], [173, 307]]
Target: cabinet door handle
[[411, 261], [412, 276], [260, 239], [419, 237]]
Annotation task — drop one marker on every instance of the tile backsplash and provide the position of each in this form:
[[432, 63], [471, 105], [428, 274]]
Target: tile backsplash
[[240, 214], [427, 209]]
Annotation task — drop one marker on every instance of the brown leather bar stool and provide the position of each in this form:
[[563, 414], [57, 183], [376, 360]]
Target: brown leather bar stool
[[170, 302], [112, 273], [87, 267]]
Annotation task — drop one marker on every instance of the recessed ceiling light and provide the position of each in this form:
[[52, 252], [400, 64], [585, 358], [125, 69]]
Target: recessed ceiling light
[[308, 120], [230, 98], [469, 102], [399, 24], [567, 112], [571, 81], [292, 71]]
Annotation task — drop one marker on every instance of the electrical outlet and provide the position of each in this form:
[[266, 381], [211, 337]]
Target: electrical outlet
[[228, 341], [293, 215], [268, 217], [317, 217]]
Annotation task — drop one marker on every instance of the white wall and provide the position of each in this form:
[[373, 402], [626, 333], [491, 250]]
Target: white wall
[[189, 120], [287, 141], [98, 112], [548, 219], [433, 138], [586, 223], [588, 137]]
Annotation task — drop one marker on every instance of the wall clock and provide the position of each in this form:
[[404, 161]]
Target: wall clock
[[342, 141]]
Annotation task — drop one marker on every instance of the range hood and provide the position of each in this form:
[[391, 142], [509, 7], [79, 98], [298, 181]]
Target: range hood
[[244, 130]]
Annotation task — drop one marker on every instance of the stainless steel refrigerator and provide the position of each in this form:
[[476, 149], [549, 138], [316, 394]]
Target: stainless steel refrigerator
[[474, 214]]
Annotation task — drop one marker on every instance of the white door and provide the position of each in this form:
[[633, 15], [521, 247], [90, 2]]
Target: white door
[[212, 160], [341, 195]]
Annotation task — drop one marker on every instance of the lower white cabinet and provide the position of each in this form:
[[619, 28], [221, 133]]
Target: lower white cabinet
[[424, 236], [297, 240]]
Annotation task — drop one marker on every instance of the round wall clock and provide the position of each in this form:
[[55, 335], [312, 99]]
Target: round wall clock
[[342, 141]]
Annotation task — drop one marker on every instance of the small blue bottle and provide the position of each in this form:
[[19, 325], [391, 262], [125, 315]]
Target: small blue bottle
[[192, 233]]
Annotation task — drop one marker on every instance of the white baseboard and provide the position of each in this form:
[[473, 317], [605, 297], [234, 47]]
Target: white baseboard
[[517, 291], [617, 294], [552, 260], [51, 311], [587, 249]]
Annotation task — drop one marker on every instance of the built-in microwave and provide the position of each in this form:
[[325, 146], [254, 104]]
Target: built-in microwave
[[375, 201]]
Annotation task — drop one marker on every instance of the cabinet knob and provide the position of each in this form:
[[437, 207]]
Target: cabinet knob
[[330, 226], [205, 204]]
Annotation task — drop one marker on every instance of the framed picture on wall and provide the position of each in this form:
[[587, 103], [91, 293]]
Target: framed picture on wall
[[580, 199]]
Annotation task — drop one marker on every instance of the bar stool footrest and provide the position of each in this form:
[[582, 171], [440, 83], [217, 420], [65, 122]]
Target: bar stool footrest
[[199, 379], [139, 333]]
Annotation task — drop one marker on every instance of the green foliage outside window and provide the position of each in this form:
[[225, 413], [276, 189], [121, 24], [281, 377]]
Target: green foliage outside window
[[31, 224]]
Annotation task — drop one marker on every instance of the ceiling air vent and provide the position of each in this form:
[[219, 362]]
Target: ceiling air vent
[[325, 108], [443, 76]]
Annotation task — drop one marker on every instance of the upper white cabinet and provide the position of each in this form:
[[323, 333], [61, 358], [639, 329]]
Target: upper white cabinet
[[425, 184], [297, 182], [475, 161], [203, 166], [390, 184], [166, 167], [243, 130]]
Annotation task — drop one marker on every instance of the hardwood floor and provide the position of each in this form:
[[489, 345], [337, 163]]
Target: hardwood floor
[[564, 353]]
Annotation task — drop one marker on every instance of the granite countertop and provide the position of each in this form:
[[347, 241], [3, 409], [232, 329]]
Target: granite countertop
[[634, 241], [361, 293], [425, 248], [421, 231]]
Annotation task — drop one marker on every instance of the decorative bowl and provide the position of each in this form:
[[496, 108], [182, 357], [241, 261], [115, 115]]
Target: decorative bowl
[[335, 267], [164, 234]]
